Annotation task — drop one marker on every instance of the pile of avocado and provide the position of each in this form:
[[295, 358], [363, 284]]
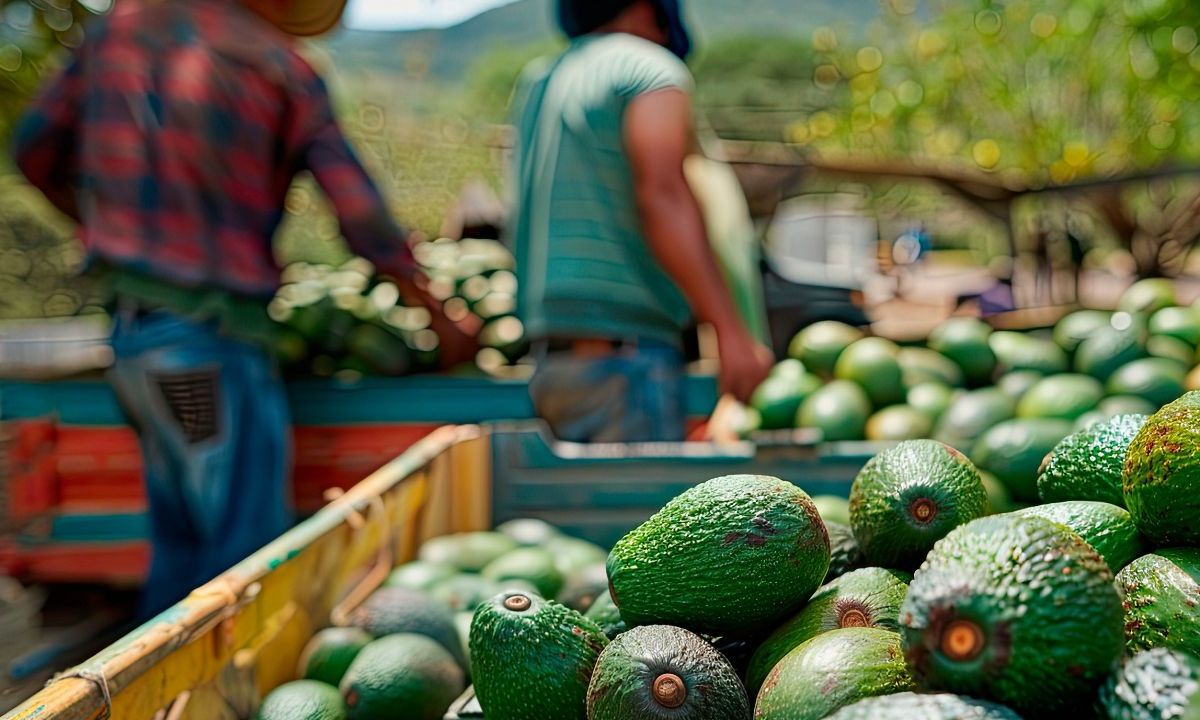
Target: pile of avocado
[[915, 599], [406, 646], [970, 386], [345, 321]]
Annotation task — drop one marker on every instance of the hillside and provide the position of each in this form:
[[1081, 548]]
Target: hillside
[[449, 54]]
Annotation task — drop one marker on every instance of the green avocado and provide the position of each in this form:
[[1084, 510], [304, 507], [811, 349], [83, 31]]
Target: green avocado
[[1156, 380], [464, 592], [1151, 685], [532, 659], [932, 399], [303, 700], [832, 670], [1088, 464], [844, 552], [1064, 397], [1073, 329], [920, 366], [820, 345], [1162, 472], [572, 554], [1126, 405], [583, 587], [973, 414], [873, 364], [915, 706], [1109, 348], [1162, 592], [869, 597], [419, 575], [1014, 451], [908, 497], [389, 611], [965, 342], [1017, 610], [1104, 526], [760, 541], [1016, 352], [469, 552], [529, 532], [999, 501], [402, 671], [898, 422], [1148, 296], [840, 410], [1016, 384], [779, 397], [1169, 348], [658, 672], [462, 623], [329, 653], [833, 508], [533, 565], [605, 613]]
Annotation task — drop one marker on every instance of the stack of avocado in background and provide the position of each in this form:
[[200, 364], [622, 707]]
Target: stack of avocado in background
[[346, 321], [916, 599], [1011, 395]]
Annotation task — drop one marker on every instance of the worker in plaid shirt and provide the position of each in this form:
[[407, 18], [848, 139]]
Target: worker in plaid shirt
[[172, 137]]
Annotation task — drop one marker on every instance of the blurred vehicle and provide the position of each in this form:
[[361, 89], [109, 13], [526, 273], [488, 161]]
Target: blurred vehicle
[[820, 251]]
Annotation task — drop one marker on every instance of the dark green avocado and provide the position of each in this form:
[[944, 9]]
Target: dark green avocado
[[658, 672], [909, 497], [604, 612], [833, 670], [1105, 527], [1162, 597], [1014, 452], [1016, 610], [393, 610], [1162, 474], [869, 597], [532, 659], [730, 556], [914, 706], [1152, 685], [1088, 464], [844, 553]]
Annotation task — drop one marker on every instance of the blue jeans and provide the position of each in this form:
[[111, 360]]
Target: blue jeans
[[212, 417], [633, 395]]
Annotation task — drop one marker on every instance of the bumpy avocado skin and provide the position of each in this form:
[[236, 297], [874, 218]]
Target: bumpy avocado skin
[[871, 596], [1162, 472], [1151, 685], [1107, 528], [605, 613], [730, 556], [533, 664], [1044, 600], [845, 554], [623, 681], [914, 706], [833, 670], [898, 485], [1162, 600], [1088, 465]]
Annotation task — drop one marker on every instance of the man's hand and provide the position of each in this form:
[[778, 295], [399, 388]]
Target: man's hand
[[745, 363]]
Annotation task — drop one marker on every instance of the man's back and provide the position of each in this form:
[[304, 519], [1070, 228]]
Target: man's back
[[586, 269], [180, 126]]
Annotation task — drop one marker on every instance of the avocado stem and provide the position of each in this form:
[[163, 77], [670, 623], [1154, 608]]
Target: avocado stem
[[923, 510], [854, 618], [962, 640], [518, 603], [669, 690]]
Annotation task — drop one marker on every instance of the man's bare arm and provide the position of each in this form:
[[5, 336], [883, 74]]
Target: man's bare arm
[[658, 137]]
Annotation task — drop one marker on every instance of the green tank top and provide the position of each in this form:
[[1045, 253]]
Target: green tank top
[[584, 265]]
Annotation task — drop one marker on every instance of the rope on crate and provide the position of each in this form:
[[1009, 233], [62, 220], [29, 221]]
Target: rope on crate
[[96, 678]]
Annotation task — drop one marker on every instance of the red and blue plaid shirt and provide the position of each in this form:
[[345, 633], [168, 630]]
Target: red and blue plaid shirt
[[174, 135]]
